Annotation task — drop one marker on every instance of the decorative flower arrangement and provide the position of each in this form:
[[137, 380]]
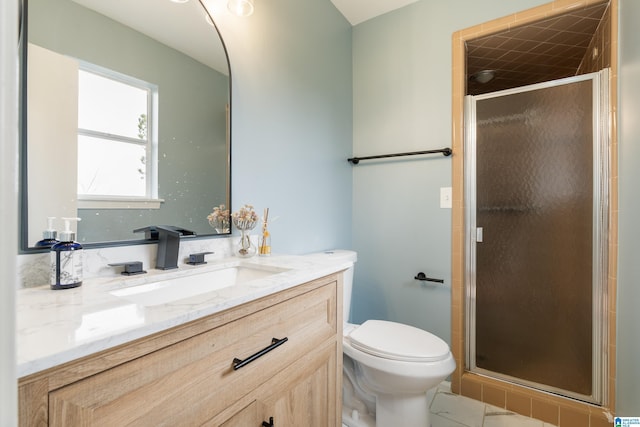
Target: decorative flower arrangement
[[219, 219], [245, 218]]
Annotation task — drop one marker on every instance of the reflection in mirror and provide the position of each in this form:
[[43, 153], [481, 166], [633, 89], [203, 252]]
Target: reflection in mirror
[[127, 118]]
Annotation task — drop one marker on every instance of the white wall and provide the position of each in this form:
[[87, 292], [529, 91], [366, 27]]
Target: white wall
[[8, 207], [628, 339]]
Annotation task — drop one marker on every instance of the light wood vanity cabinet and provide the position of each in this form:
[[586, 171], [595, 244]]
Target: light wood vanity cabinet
[[296, 397], [186, 376]]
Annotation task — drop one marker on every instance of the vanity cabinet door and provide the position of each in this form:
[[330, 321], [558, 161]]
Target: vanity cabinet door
[[304, 394], [191, 381]]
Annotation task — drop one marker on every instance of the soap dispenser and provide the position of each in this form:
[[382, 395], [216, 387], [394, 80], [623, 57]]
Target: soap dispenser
[[49, 235], [66, 259]]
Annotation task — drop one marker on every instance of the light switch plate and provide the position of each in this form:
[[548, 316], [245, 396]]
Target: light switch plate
[[445, 197]]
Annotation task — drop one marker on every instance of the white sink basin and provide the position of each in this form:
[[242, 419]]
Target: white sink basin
[[177, 288]]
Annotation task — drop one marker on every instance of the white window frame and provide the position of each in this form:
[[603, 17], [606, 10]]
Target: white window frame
[[150, 200]]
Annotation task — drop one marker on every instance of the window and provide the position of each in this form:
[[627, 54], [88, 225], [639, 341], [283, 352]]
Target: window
[[117, 155]]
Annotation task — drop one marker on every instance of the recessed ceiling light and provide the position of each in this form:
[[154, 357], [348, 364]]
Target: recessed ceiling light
[[484, 76], [179, 1]]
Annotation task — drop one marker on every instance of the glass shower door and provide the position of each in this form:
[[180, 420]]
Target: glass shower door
[[535, 236]]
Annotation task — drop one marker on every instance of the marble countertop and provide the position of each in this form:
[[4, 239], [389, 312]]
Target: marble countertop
[[54, 327]]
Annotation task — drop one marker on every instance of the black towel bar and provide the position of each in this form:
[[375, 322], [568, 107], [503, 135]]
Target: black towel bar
[[444, 151]]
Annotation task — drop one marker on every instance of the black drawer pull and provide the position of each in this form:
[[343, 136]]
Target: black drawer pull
[[275, 342], [268, 424]]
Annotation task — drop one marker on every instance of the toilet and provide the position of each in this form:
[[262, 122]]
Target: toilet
[[388, 367]]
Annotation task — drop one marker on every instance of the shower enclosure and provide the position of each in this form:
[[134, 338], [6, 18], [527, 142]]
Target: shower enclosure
[[536, 171]]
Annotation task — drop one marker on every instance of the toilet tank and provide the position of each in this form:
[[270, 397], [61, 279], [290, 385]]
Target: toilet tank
[[344, 256]]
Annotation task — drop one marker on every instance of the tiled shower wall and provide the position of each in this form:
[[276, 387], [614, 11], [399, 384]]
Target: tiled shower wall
[[544, 406], [598, 55]]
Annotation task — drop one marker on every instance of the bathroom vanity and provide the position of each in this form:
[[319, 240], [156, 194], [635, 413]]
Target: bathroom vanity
[[268, 351]]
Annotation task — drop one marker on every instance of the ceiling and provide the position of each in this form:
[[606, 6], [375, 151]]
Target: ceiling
[[545, 50], [357, 11]]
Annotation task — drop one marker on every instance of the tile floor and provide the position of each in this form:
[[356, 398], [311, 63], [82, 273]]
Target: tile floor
[[452, 410]]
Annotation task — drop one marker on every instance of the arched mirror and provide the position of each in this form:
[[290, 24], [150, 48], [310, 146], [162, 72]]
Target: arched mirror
[[125, 111]]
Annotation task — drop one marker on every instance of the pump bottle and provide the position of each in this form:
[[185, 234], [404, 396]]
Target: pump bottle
[[66, 259], [49, 235]]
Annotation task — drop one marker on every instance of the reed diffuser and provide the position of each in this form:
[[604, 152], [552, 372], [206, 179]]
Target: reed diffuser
[[264, 245]]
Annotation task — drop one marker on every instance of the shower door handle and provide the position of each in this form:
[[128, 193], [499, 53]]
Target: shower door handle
[[479, 234]]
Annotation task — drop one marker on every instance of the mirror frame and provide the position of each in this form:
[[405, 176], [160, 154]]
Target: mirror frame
[[23, 192]]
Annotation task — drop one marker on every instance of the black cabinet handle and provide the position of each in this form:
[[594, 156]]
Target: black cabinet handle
[[268, 424], [275, 342]]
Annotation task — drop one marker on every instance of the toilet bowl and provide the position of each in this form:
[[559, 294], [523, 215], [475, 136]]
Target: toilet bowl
[[397, 364], [388, 367]]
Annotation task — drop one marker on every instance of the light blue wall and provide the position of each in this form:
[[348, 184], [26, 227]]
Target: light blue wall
[[292, 124], [628, 340], [402, 102]]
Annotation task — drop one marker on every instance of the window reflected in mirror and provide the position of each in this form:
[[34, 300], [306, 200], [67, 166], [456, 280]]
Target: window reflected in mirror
[[114, 154]]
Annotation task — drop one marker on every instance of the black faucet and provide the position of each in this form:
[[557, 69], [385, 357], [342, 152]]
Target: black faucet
[[168, 238]]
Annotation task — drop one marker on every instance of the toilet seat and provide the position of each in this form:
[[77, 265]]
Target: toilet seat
[[396, 341]]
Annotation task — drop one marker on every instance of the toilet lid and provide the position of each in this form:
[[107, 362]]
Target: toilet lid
[[397, 341]]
